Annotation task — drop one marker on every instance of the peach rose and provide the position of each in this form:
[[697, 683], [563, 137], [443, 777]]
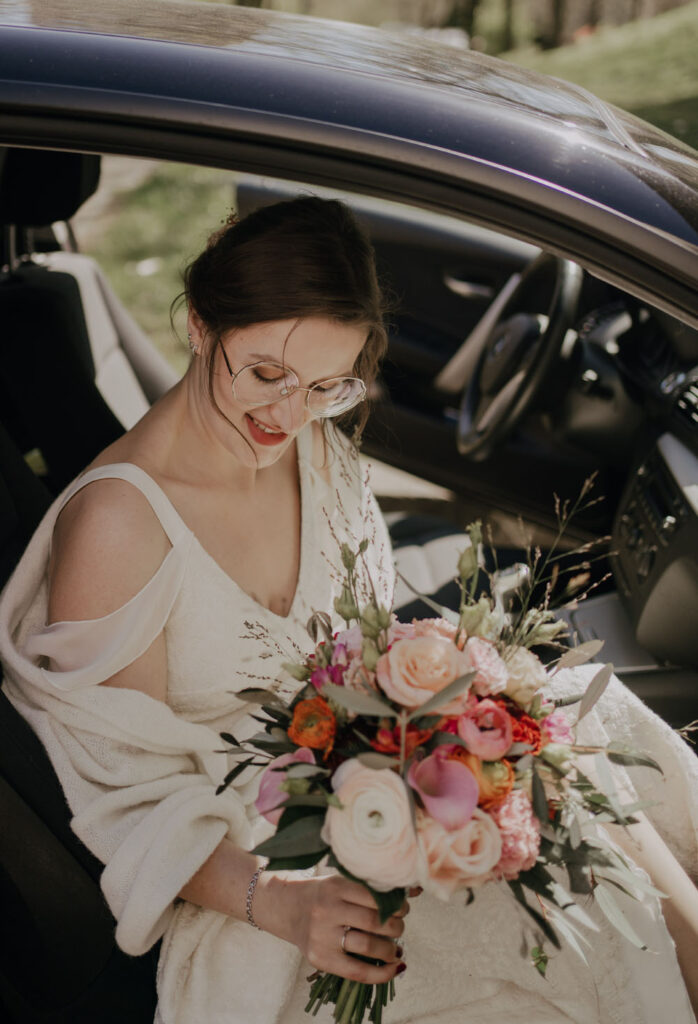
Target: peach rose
[[371, 835], [414, 670], [454, 860], [437, 627]]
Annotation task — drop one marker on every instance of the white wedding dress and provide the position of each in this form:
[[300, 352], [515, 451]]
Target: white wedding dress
[[141, 775]]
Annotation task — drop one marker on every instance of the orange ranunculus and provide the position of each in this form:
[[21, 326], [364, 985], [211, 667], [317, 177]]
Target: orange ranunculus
[[495, 779], [313, 725], [387, 740]]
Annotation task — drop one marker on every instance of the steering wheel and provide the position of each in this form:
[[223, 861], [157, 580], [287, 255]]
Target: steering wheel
[[520, 350]]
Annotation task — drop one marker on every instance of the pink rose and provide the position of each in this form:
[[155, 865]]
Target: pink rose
[[520, 834], [414, 670], [371, 835], [555, 728], [436, 627], [271, 796], [486, 730], [454, 860], [491, 671], [448, 789]]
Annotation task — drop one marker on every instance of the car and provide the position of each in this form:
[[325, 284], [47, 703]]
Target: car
[[542, 249]]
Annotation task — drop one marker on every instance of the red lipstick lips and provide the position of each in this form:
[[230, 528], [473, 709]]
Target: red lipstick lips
[[260, 436]]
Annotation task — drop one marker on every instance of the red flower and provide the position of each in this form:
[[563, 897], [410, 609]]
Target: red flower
[[387, 741], [524, 728]]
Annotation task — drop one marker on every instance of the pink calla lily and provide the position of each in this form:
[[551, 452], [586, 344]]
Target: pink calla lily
[[271, 797], [448, 789]]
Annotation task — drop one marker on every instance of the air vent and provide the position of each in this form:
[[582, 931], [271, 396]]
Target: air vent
[[687, 405]]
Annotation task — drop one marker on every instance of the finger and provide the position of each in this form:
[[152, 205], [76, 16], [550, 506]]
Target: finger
[[416, 890], [357, 970], [373, 946], [365, 920]]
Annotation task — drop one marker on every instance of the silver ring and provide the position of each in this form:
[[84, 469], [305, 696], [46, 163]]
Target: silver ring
[[347, 928]]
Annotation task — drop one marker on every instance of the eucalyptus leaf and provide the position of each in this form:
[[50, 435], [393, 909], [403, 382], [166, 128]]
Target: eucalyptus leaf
[[376, 760], [444, 697], [303, 770], [301, 837], [228, 737], [440, 738], [306, 800], [604, 897], [298, 863], [544, 925], [233, 774], [575, 832], [356, 700], [569, 932], [594, 690], [609, 786], [579, 655], [539, 799], [621, 754], [516, 749], [255, 695], [565, 702], [629, 878]]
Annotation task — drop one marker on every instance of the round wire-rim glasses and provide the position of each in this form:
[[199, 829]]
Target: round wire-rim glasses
[[326, 398]]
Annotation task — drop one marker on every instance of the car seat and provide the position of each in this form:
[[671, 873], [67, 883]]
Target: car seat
[[75, 368], [59, 962]]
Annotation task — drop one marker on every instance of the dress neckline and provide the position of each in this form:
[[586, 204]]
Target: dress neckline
[[303, 542]]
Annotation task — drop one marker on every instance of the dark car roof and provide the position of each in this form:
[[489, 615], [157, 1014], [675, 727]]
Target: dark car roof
[[382, 101]]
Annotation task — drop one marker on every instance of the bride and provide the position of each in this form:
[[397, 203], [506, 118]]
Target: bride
[[183, 565]]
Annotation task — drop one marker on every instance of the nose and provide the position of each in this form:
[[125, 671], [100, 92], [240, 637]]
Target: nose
[[291, 413]]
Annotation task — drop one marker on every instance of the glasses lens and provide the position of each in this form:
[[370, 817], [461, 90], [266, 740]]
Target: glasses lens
[[264, 384], [333, 397]]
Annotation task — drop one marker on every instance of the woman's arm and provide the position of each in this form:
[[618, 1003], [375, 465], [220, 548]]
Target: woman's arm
[[89, 578], [311, 913], [648, 850]]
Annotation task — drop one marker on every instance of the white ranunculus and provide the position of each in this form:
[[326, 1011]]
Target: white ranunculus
[[372, 834], [526, 676]]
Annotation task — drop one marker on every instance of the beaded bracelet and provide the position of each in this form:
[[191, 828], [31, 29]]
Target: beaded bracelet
[[250, 896]]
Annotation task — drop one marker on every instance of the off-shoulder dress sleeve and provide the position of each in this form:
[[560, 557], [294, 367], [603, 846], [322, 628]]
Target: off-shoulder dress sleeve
[[140, 781]]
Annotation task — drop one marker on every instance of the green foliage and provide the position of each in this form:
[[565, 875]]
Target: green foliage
[[647, 67]]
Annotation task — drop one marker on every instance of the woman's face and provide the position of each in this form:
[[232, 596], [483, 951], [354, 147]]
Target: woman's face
[[314, 348]]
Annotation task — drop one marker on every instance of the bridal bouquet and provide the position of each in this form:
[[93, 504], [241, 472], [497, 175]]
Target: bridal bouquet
[[427, 753]]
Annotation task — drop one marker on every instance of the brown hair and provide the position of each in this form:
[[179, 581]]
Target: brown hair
[[298, 258]]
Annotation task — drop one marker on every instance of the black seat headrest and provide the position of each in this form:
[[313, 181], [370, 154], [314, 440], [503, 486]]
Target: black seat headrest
[[39, 186]]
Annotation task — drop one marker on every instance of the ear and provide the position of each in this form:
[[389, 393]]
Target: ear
[[196, 328]]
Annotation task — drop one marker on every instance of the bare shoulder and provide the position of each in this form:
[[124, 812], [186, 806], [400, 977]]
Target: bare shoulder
[[107, 543]]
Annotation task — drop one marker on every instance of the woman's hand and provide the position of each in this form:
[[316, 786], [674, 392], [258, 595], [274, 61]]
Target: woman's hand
[[319, 914]]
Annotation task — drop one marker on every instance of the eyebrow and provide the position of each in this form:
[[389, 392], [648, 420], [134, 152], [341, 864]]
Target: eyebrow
[[260, 357]]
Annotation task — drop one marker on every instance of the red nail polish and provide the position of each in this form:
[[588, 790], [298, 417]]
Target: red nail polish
[[401, 968], [398, 951]]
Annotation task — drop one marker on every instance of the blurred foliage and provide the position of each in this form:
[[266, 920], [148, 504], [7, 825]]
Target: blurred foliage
[[149, 234], [648, 67]]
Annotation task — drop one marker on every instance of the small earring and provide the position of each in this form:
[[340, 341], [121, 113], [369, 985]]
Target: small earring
[[194, 347]]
